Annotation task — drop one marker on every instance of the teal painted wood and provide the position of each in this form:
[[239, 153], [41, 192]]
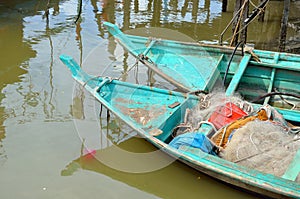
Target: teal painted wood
[[192, 66], [271, 83], [199, 57], [130, 100], [294, 168], [171, 61], [238, 75], [133, 103]]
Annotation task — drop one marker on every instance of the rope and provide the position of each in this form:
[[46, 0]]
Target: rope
[[248, 23], [206, 122], [276, 93], [96, 77], [198, 92], [231, 57], [126, 73], [256, 7], [136, 73], [289, 103], [79, 11], [238, 23], [226, 28]]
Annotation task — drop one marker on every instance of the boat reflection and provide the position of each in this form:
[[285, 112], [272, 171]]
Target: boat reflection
[[166, 182], [14, 59]]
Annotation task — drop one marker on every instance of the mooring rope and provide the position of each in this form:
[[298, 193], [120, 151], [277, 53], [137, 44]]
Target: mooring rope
[[248, 23], [236, 32], [133, 66]]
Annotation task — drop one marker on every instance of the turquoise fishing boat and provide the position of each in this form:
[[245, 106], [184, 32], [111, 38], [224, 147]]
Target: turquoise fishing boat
[[156, 114], [263, 77]]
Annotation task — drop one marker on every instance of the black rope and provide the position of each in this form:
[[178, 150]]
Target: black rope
[[198, 92], [256, 11], [275, 93], [79, 12], [101, 107], [107, 116], [142, 57], [231, 57]]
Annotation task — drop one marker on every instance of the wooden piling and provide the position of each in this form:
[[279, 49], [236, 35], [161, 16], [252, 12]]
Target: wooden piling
[[238, 24], [243, 37], [235, 23], [261, 16], [284, 21], [224, 6]]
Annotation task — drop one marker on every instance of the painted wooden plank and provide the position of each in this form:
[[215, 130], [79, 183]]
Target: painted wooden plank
[[266, 101], [117, 94], [215, 73], [276, 58], [278, 66], [283, 56], [294, 168], [238, 74], [149, 47]]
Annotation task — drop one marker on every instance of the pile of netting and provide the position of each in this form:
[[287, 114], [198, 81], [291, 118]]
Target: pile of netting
[[208, 104], [262, 140], [262, 145]]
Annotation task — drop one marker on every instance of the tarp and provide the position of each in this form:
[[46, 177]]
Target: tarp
[[193, 139]]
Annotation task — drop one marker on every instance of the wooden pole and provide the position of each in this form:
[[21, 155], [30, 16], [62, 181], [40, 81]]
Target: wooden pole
[[284, 22], [126, 18], [157, 7], [244, 17], [235, 23], [224, 5], [261, 16]]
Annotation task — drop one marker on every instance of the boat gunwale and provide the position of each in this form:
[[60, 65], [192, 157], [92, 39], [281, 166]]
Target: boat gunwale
[[209, 162], [223, 170], [292, 190], [226, 169], [284, 56], [158, 71]]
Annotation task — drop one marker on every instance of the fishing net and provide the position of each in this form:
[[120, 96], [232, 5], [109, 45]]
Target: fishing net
[[202, 112], [264, 146], [209, 103], [222, 137], [261, 140]]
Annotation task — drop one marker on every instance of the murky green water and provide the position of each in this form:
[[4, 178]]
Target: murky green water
[[45, 118]]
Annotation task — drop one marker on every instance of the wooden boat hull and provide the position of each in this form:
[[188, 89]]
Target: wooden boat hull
[[166, 110], [192, 67]]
